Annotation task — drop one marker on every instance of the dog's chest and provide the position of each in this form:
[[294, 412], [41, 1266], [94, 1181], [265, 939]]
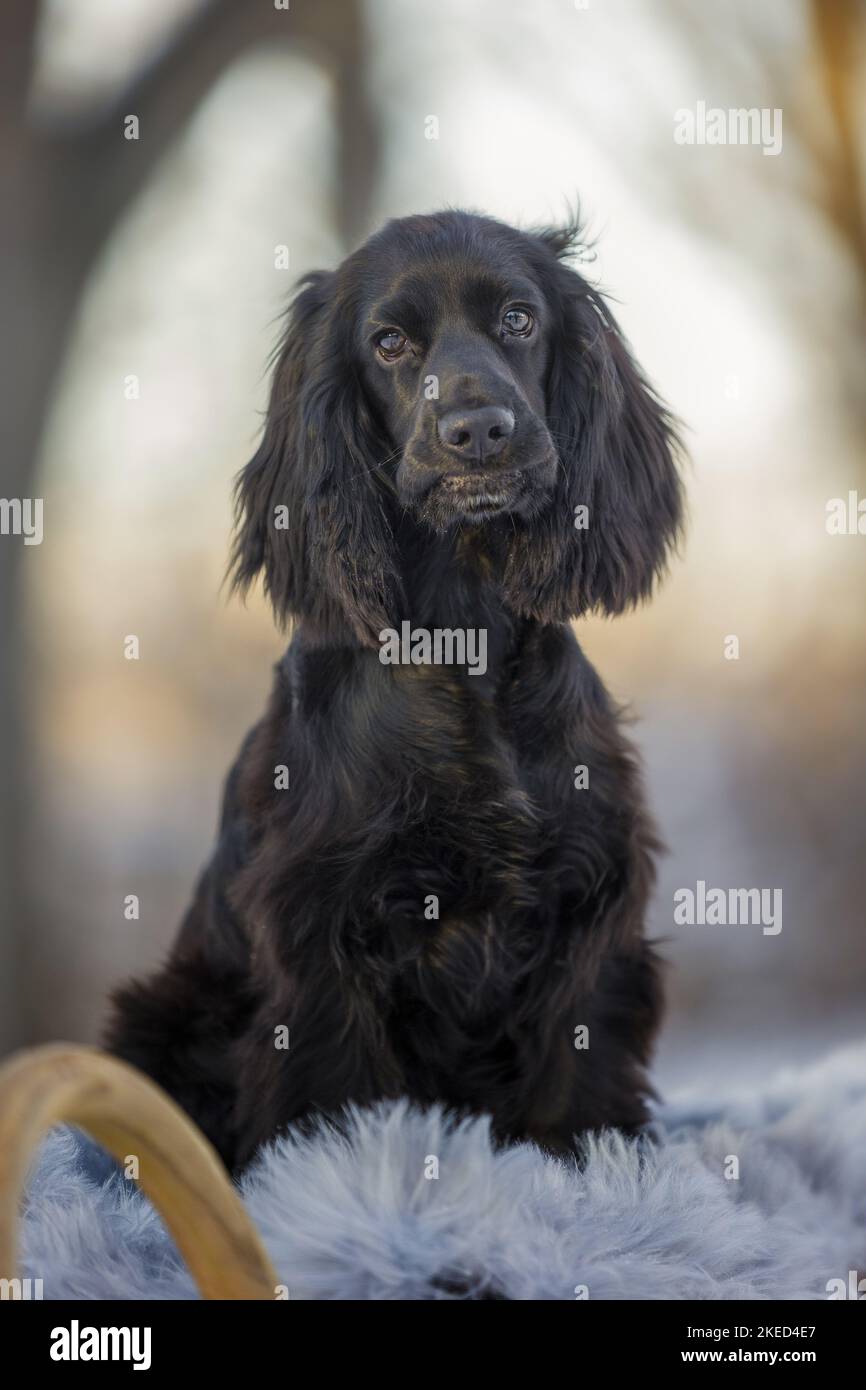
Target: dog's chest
[[469, 830]]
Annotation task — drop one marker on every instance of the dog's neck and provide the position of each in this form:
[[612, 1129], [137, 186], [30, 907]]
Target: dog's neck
[[454, 582], [451, 584], [452, 579]]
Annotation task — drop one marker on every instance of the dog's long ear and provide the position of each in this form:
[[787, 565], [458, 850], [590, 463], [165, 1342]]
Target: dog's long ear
[[311, 512], [618, 452]]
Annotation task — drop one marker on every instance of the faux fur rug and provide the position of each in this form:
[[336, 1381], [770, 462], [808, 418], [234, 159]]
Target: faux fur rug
[[410, 1206]]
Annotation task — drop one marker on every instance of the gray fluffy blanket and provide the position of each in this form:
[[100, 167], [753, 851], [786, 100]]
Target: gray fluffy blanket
[[760, 1196]]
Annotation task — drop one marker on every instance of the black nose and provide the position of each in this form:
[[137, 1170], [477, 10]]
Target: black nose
[[476, 434]]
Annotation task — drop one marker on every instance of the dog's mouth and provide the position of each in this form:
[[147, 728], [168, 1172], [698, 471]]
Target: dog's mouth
[[480, 495], [443, 499]]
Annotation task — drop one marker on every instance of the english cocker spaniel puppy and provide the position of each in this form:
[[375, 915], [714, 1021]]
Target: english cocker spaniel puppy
[[434, 859]]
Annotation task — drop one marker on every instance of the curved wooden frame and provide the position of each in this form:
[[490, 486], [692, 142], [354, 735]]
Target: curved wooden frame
[[178, 1169]]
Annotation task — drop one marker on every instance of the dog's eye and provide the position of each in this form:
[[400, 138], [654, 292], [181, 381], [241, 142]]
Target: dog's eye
[[391, 343], [517, 322]]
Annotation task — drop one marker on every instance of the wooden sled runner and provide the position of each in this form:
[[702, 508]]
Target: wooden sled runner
[[129, 1115]]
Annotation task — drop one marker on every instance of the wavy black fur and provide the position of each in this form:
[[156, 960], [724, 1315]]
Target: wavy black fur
[[412, 781]]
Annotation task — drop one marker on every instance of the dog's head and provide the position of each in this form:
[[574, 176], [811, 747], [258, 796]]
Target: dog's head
[[462, 371]]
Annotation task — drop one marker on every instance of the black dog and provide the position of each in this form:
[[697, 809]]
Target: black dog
[[409, 875]]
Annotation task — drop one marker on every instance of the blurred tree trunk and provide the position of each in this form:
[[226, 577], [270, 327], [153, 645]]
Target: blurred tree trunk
[[839, 36], [65, 186]]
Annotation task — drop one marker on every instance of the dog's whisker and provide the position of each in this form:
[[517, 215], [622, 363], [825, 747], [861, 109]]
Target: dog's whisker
[[374, 467]]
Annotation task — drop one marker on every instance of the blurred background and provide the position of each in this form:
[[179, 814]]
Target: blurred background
[[143, 279]]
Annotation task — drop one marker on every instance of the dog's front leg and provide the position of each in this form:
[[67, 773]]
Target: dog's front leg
[[316, 1043]]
